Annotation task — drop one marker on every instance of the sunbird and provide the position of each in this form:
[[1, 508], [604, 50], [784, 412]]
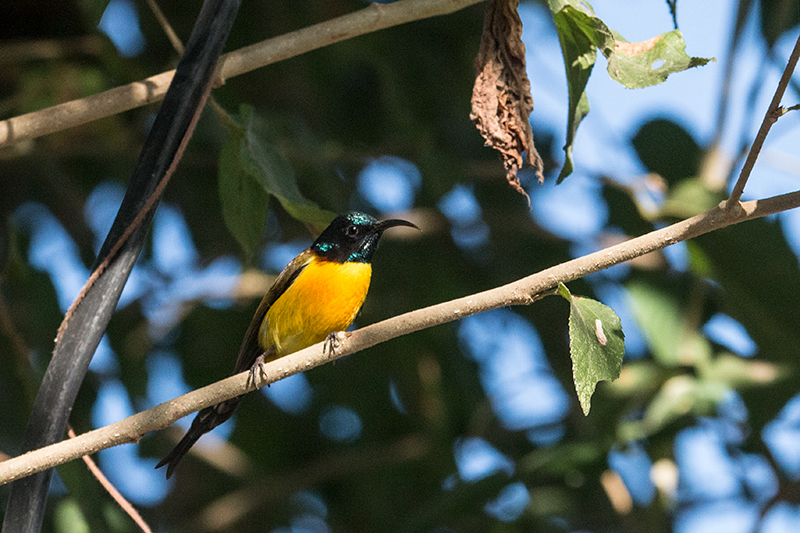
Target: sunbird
[[318, 294]]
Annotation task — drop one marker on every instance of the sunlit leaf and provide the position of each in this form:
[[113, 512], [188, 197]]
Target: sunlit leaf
[[688, 198], [637, 378], [579, 33], [739, 372], [680, 396], [637, 65], [760, 276], [660, 312], [596, 344], [633, 65]]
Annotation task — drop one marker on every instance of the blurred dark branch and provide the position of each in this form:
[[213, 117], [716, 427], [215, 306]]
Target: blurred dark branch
[[724, 99], [774, 112], [521, 292], [673, 11], [373, 18], [744, 143], [22, 51]]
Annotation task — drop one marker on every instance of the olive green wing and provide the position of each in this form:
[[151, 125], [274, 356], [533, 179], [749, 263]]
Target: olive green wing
[[250, 349]]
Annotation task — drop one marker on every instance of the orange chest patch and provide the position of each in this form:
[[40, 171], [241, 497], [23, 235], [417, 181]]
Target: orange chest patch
[[325, 297]]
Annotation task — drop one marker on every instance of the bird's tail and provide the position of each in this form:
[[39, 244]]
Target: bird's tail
[[205, 421]]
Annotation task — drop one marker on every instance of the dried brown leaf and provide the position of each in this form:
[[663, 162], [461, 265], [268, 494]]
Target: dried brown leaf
[[501, 97]]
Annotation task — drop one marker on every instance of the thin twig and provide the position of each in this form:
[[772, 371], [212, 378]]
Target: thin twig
[[177, 44], [112, 490], [119, 99], [774, 112], [521, 292], [174, 40]]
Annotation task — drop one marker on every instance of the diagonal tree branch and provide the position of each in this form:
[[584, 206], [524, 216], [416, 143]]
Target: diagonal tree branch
[[124, 98], [521, 292], [774, 112]]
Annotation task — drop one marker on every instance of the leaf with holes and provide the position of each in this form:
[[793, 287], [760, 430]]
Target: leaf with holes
[[596, 344], [647, 63]]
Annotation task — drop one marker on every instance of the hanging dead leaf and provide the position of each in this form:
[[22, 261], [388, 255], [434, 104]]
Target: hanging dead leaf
[[501, 97]]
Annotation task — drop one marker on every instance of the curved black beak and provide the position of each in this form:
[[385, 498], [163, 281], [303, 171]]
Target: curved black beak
[[383, 225]]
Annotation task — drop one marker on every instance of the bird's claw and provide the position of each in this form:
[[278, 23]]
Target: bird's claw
[[255, 371], [333, 341]]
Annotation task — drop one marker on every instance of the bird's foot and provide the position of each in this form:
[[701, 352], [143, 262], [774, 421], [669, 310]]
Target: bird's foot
[[333, 340], [257, 370]]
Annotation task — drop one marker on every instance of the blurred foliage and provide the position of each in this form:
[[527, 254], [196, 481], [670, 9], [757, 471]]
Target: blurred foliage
[[324, 116]]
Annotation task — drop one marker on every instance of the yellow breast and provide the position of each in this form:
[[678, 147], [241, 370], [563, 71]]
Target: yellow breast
[[324, 298]]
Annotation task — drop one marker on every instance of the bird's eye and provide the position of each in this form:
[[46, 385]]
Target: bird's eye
[[351, 230]]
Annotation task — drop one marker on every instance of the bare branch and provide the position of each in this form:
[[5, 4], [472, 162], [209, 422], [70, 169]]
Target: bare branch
[[373, 18], [520, 292], [774, 112]]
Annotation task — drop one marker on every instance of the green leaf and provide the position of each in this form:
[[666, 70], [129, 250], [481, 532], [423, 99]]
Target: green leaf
[[637, 65], [244, 202], [665, 148], [251, 169], [69, 518], [679, 396], [689, 198], [759, 274], [273, 172], [660, 311], [637, 379], [738, 372], [579, 33], [560, 459], [777, 16], [633, 65], [596, 344]]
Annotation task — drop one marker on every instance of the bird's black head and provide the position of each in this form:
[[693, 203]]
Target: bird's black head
[[353, 237]]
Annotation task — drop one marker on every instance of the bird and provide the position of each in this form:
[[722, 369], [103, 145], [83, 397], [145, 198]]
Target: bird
[[317, 295]]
